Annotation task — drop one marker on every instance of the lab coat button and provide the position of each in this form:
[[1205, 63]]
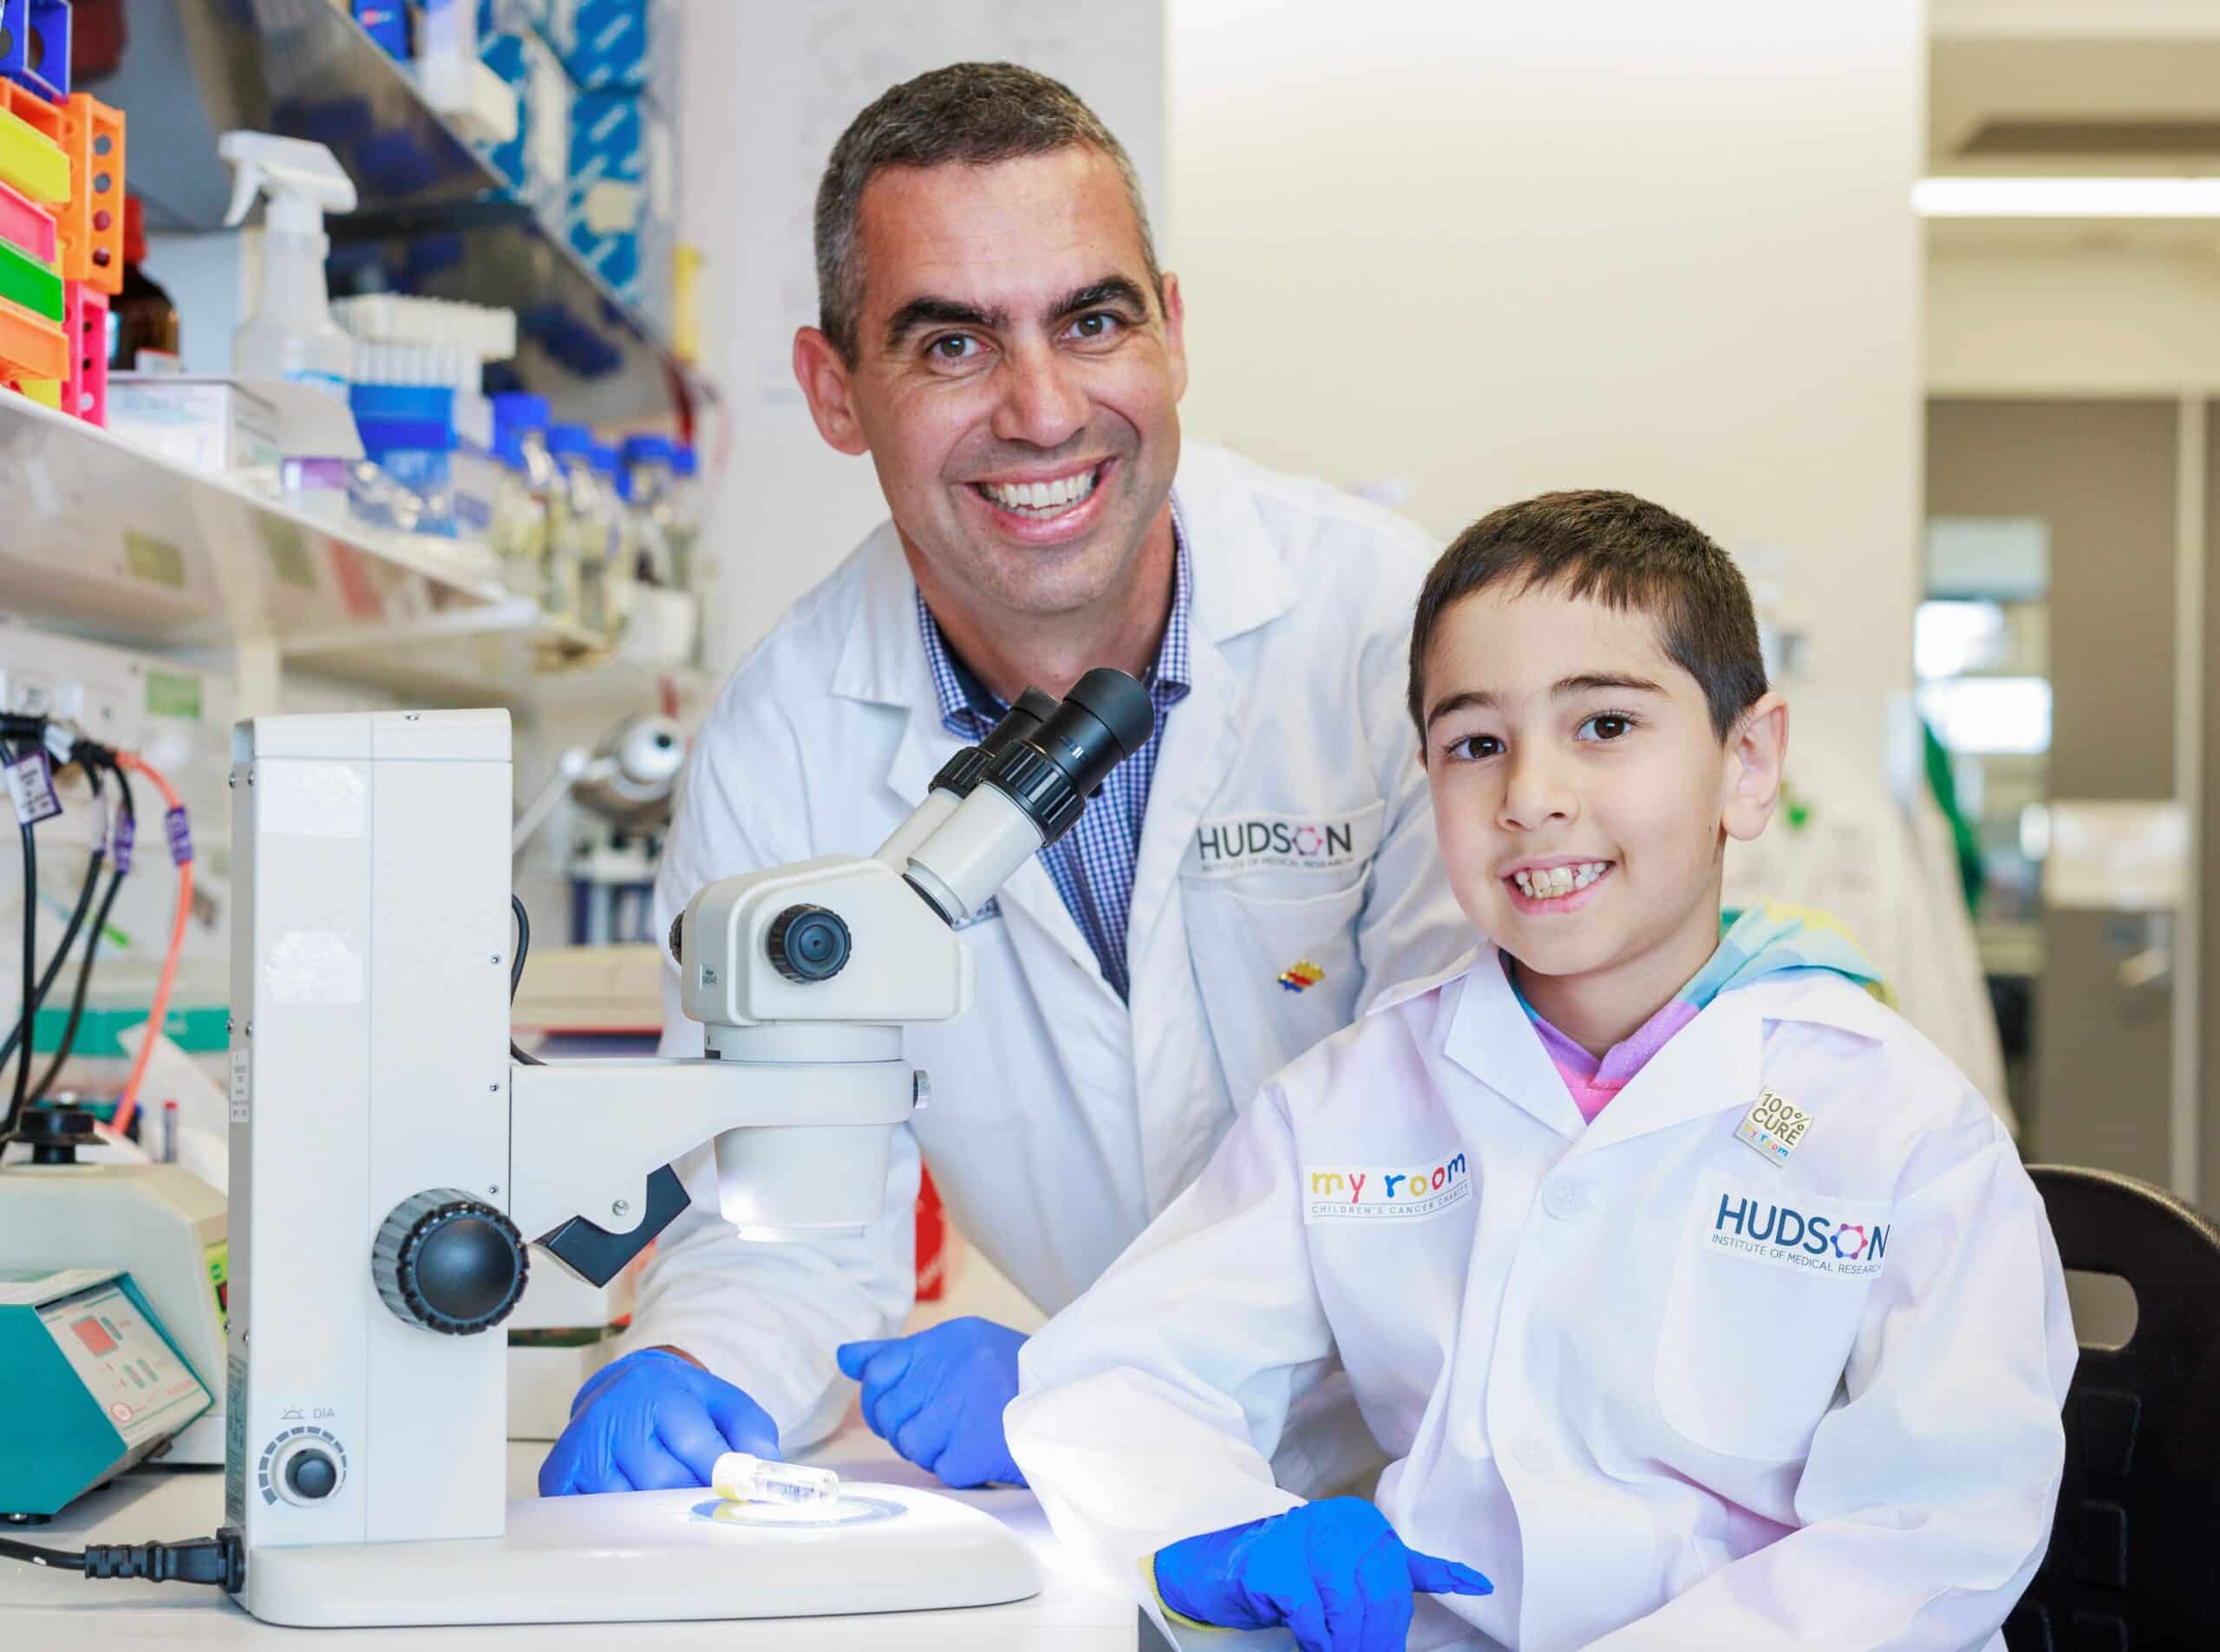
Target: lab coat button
[[1565, 1200]]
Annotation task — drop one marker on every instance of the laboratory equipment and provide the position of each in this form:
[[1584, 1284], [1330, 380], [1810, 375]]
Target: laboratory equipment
[[624, 786], [368, 1439], [96, 1385], [744, 1477], [161, 1225]]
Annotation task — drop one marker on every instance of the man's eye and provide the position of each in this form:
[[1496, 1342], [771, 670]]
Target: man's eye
[[1467, 749], [1098, 325], [953, 347], [1605, 726]]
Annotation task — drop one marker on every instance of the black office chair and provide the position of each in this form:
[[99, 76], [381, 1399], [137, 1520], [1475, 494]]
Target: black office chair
[[2134, 1559]]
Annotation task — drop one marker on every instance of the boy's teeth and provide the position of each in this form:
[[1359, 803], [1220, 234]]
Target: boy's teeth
[[1547, 883], [1045, 497]]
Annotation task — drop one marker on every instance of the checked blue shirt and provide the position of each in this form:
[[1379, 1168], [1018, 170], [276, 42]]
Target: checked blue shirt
[[1092, 865]]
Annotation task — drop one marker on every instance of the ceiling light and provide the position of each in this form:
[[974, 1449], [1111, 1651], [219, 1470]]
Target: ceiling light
[[2067, 197]]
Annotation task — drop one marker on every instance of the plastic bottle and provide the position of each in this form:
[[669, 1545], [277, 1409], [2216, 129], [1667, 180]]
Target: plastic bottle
[[650, 481], [290, 335], [519, 534], [142, 320], [605, 597], [578, 526], [691, 572]]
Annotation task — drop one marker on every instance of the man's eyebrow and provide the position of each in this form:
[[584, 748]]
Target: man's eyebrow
[[1484, 699], [1602, 682], [1097, 294], [928, 311]]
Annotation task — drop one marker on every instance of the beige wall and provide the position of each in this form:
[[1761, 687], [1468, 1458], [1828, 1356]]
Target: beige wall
[[1491, 248], [2117, 318]]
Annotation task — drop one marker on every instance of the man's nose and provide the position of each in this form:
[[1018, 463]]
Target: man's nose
[[1042, 404], [1535, 793]]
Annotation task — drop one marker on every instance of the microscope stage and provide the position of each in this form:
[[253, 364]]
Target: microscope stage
[[641, 1557]]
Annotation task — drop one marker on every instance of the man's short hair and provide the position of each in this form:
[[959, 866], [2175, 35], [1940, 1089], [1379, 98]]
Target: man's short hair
[[971, 114], [1625, 553]]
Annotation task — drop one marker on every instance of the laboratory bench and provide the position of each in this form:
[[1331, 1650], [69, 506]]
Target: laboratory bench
[[51, 1611]]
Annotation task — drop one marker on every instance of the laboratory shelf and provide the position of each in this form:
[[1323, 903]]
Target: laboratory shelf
[[305, 68], [107, 540]]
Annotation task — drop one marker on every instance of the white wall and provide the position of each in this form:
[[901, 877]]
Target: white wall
[[770, 84], [2060, 320], [1498, 247]]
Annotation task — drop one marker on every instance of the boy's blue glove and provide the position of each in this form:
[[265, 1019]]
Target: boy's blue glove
[[938, 1397], [1334, 1572], [649, 1421]]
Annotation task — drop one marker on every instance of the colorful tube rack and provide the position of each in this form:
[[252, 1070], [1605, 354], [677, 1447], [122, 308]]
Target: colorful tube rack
[[91, 222]]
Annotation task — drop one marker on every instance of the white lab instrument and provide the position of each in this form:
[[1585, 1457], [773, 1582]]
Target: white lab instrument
[[290, 335], [389, 1164], [744, 1477], [1665, 1389], [161, 1225], [624, 785]]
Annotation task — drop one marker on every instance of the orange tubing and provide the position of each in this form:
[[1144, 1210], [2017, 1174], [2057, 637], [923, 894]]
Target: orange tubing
[[128, 1105]]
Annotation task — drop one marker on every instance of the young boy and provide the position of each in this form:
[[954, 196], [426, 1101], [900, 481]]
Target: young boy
[[1700, 1302]]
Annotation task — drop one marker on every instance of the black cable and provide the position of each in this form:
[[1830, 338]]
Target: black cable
[[68, 1041], [26, 1021], [219, 1561], [516, 973], [31, 961]]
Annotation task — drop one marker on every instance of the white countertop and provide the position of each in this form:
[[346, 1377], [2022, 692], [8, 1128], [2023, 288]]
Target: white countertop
[[50, 1611]]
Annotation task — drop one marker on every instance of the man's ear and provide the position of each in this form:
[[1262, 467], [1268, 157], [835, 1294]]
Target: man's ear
[[1175, 334], [1755, 751], [824, 379]]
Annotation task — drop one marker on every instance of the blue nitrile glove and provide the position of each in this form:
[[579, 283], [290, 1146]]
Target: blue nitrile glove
[[938, 1397], [1334, 1572], [649, 1421]]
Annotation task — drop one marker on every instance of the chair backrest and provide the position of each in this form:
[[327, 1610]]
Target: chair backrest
[[2134, 1558]]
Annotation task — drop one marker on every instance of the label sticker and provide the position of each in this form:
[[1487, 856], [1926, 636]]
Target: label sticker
[[30, 788], [1816, 1235], [1385, 1194], [1243, 843], [1772, 1128], [241, 1090]]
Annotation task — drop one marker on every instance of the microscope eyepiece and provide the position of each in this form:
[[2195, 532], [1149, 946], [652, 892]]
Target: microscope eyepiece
[[969, 767], [1051, 772]]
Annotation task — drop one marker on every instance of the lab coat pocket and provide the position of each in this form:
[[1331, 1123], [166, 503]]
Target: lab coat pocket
[[1276, 974], [1769, 1289]]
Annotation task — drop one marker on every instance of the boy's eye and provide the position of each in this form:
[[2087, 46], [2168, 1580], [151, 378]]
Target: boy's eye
[[1605, 726], [1467, 749]]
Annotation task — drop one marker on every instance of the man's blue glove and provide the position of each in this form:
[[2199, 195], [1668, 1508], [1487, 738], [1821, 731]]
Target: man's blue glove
[[1334, 1572], [938, 1397], [649, 1421]]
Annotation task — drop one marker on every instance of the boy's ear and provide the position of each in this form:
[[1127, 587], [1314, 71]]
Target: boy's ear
[[1755, 751]]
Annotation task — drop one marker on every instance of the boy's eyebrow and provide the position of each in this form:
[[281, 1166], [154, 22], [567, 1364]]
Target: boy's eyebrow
[[1563, 688], [929, 311]]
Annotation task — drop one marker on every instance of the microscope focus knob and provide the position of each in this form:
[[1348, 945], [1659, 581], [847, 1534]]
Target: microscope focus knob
[[448, 1262], [808, 944]]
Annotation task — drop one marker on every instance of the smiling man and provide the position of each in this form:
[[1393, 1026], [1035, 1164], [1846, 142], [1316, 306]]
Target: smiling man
[[994, 332]]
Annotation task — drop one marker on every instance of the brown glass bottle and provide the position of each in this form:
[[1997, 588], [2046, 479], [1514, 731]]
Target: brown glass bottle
[[142, 318]]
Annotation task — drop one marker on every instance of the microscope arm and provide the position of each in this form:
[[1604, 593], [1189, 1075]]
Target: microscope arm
[[591, 1143]]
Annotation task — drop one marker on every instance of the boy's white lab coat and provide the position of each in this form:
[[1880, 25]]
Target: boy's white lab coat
[[1607, 1382], [1062, 1119]]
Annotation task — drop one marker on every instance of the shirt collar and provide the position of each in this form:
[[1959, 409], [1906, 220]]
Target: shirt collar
[[969, 708]]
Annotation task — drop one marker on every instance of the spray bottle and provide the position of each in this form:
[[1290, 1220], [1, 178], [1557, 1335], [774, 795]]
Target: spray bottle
[[290, 335]]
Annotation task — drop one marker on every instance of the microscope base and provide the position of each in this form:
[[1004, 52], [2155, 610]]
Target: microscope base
[[646, 1557]]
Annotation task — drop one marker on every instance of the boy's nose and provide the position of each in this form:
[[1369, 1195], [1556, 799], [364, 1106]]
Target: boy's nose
[[1534, 795]]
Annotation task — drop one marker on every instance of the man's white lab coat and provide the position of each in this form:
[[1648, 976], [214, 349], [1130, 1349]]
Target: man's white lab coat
[[1665, 1390], [1288, 822]]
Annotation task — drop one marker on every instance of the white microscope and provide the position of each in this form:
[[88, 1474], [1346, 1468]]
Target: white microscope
[[390, 1164]]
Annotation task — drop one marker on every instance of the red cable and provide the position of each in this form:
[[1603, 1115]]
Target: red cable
[[181, 851]]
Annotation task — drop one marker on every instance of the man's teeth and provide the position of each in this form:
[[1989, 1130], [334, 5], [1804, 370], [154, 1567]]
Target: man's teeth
[[1040, 499], [1548, 883]]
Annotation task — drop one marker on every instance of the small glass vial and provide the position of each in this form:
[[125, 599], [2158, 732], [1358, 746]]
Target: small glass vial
[[742, 1478]]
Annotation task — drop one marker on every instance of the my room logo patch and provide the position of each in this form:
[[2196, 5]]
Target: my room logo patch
[[1242, 843], [1817, 1236], [1389, 1193]]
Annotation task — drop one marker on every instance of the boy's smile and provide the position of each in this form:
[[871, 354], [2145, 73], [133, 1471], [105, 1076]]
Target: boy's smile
[[1583, 799]]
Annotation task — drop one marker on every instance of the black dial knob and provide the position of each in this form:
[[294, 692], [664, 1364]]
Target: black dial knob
[[313, 1474], [449, 1262], [678, 929], [808, 944]]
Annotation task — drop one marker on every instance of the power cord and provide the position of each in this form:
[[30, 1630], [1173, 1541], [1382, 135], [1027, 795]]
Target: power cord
[[516, 974], [69, 935], [219, 1561], [126, 831]]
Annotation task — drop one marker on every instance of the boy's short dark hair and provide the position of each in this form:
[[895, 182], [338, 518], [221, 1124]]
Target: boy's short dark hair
[[1621, 551]]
